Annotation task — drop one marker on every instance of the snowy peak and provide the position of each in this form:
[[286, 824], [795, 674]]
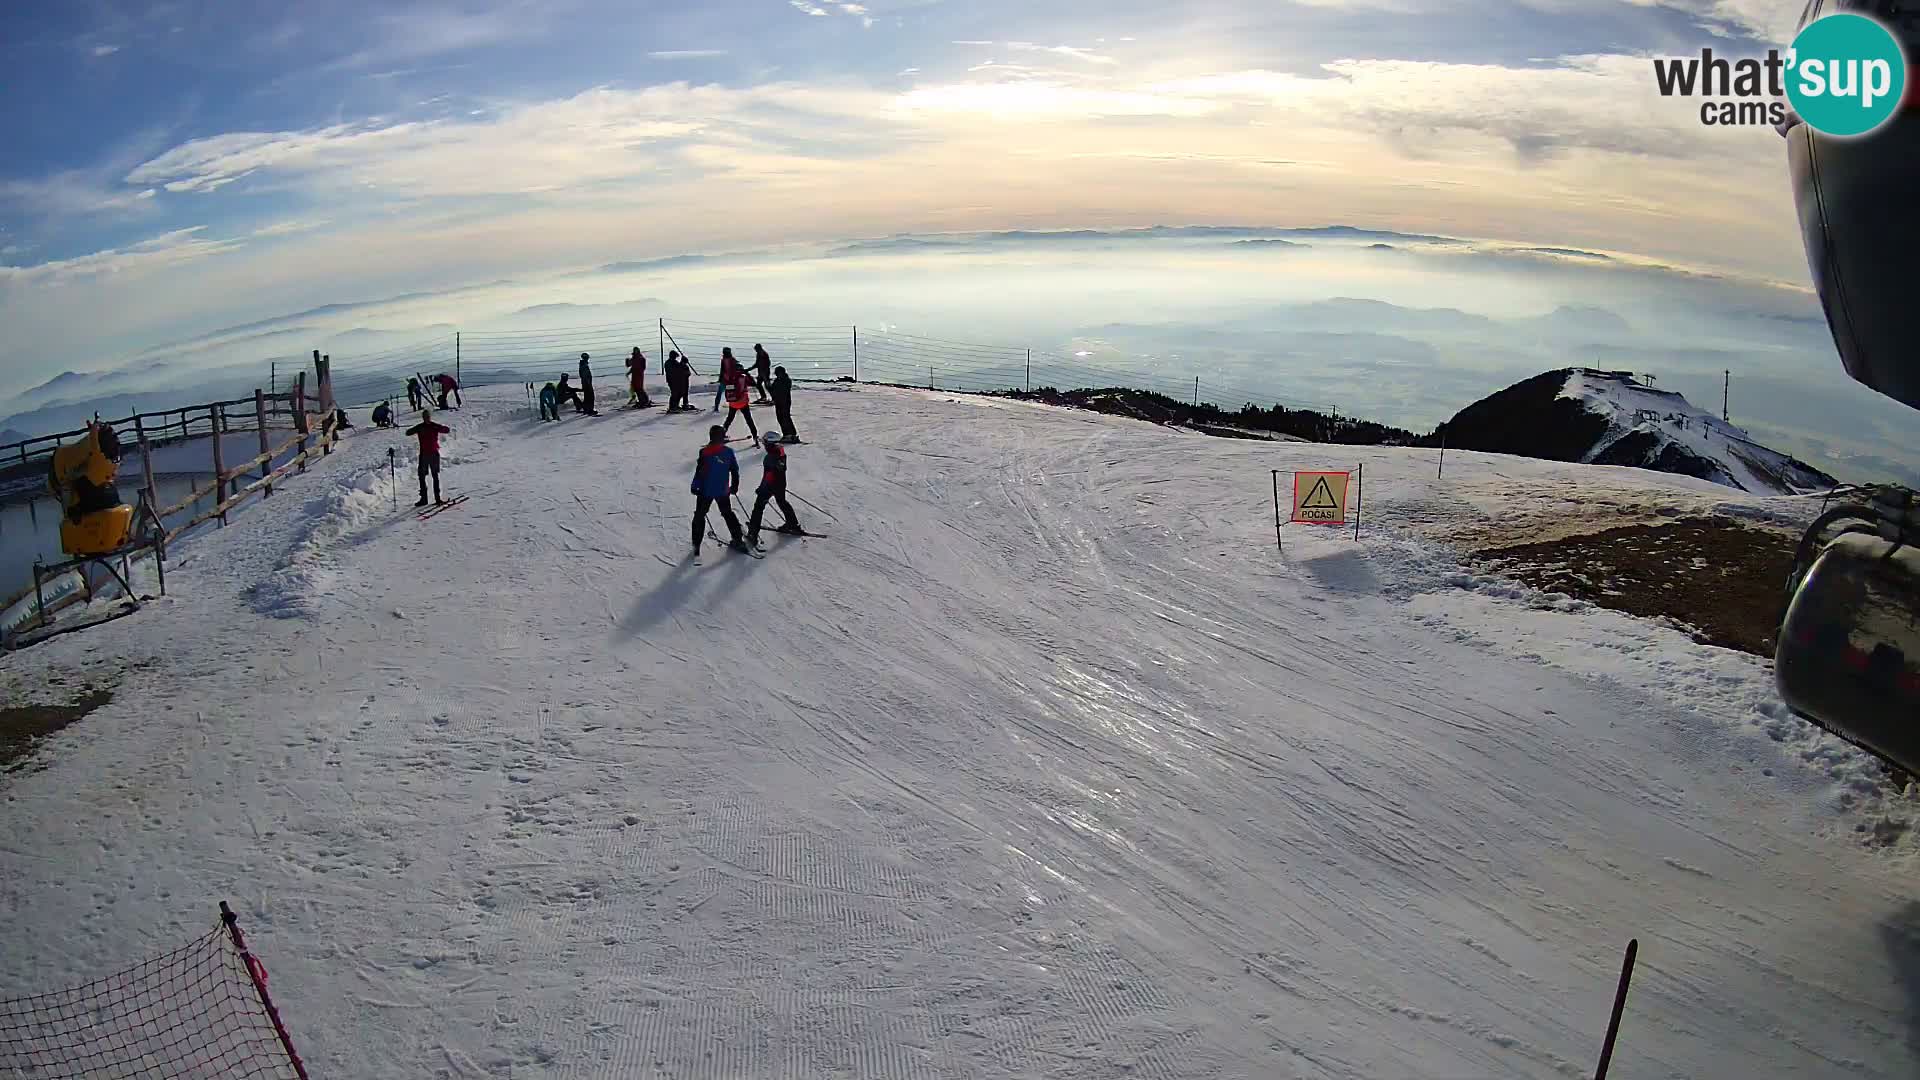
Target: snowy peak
[[1660, 429], [1612, 418]]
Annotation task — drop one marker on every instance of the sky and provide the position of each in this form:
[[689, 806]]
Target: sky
[[175, 168]]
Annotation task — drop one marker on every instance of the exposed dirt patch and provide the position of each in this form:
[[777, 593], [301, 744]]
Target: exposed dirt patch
[[1724, 580], [23, 726]]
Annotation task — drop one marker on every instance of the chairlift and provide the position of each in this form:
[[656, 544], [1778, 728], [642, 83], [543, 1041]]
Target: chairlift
[[1847, 656]]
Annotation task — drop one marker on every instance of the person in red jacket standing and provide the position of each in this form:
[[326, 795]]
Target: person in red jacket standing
[[429, 434], [728, 365], [737, 403]]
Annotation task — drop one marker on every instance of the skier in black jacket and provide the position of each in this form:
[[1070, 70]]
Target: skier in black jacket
[[783, 404], [773, 488], [762, 371], [679, 374], [586, 385]]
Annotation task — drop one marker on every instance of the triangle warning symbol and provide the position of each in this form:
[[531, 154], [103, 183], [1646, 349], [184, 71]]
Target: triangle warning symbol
[[1320, 498]]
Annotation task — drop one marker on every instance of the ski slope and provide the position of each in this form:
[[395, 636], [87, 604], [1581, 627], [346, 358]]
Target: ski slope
[[1043, 764]]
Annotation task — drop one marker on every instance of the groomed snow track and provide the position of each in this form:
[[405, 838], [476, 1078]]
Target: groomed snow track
[[1044, 764]]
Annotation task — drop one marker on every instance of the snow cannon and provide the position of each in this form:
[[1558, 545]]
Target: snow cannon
[[81, 477], [1848, 653], [1860, 222]]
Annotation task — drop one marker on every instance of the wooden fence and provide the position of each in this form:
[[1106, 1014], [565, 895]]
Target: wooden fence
[[311, 433]]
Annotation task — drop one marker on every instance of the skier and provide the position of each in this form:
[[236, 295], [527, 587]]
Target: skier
[[569, 392], [549, 403], [679, 373], [783, 404], [737, 404], [429, 434], [716, 479], [586, 385], [414, 394], [383, 414], [728, 365], [762, 371], [637, 380], [773, 488], [448, 386]]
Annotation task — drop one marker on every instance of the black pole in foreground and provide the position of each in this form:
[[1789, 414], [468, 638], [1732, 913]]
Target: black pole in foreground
[[1619, 1006], [1277, 543], [393, 478]]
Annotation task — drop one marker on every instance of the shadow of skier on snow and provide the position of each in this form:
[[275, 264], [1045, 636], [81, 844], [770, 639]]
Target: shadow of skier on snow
[[1901, 933], [661, 602]]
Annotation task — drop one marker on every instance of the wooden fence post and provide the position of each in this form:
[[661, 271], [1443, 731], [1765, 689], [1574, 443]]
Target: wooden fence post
[[146, 461], [300, 420], [216, 418], [260, 418]]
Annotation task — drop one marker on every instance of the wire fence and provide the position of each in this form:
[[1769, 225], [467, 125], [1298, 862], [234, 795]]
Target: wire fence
[[822, 353], [200, 1011]]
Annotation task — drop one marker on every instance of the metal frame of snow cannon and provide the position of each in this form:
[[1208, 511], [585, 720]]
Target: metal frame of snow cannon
[[1847, 656]]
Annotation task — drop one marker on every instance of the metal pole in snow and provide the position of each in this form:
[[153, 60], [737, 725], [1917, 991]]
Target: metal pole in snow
[[856, 354], [1359, 496], [1196, 391], [1619, 1005], [1443, 457], [1029, 371], [1278, 545], [393, 478]]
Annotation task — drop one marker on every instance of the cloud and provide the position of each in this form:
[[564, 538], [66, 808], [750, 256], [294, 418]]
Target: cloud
[[73, 193], [973, 43], [165, 250], [286, 228], [414, 33], [1087, 55], [104, 50], [1045, 99], [686, 54], [808, 9], [601, 135]]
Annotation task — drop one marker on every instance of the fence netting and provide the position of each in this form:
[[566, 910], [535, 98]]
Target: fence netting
[[192, 1013]]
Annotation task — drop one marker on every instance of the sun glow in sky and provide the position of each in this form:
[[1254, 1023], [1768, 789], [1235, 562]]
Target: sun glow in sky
[[173, 168]]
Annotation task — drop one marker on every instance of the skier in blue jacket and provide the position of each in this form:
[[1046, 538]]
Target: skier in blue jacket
[[716, 479]]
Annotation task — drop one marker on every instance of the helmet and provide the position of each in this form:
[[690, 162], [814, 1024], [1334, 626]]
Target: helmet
[[770, 440]]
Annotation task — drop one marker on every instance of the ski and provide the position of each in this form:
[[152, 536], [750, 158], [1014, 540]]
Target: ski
[[439, 508]]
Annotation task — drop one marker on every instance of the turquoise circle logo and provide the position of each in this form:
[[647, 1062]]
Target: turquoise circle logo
[[1848, 74]]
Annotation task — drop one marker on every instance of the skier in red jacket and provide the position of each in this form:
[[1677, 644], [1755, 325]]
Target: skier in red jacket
[[429, 434]]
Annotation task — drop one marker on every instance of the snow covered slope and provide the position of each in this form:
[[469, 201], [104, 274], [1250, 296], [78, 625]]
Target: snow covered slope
[[1044, 764], [1610, 418], [1663, 430]]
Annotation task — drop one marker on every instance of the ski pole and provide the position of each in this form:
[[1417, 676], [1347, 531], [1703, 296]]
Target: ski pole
[[393, 479], [803, 499]]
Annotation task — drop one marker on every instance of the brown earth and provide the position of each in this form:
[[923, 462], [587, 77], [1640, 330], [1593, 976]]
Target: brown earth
[[22, 726], [1725, 581]]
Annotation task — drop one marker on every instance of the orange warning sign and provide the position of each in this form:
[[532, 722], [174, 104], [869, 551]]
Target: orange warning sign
[[1320, 498]]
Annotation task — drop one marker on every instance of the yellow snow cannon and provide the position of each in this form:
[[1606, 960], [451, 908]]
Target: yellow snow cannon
[[1848, 652], [81, 477]]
